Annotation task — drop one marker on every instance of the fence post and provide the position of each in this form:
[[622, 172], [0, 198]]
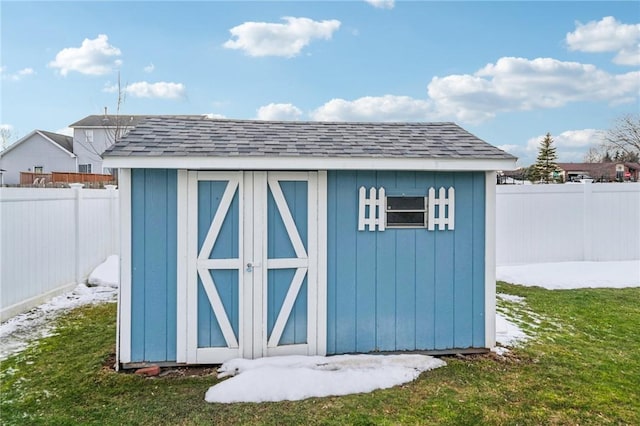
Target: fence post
[[77, 187], [113, 215], [587, 215]]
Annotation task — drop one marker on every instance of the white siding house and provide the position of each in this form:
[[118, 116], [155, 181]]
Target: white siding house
[[94, 134], [38, 152]]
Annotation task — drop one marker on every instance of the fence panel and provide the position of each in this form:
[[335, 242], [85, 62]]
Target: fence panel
[[570, 222], [51, 239]]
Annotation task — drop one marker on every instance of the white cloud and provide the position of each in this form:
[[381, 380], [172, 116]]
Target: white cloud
[[110, 88], [608, 35], [149, 68], [583, 138], [382, 4], [510, 148], [17, 76], [288, 39], [213, 116], [159, 90], [513, 84], [143, 89], [374, 108], [68, 131], [93, 57], [279, 112], [571, 145]]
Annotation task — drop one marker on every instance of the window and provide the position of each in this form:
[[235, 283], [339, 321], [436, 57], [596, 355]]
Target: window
[[88, 136], [84, 168], [406, 212], [38, 169]]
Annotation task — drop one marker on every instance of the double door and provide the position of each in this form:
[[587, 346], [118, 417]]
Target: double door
[[252, 249]]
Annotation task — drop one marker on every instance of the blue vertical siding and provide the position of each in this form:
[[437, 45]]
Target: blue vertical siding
[[404, 289], [279, 246], [153, 263], [226, 247]]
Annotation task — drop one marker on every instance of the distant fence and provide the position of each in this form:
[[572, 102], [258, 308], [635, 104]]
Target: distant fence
[[30, 178], [50, 240], [570, 222]]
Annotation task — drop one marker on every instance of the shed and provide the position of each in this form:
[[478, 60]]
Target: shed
[[255, 238]]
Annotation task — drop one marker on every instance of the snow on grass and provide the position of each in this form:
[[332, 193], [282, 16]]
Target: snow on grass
[[292, 378], [301, 377], [572, 275], [18, 332], [508, 321]]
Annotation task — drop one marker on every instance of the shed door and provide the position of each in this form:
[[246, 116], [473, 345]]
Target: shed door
[[253, 287]]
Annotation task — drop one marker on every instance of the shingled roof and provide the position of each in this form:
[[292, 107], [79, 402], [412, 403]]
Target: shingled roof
[[199, 136], [63, 140], [109, 120]]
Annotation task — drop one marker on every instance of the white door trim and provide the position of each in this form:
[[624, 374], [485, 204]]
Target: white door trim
[[310, 262], [199, 265]]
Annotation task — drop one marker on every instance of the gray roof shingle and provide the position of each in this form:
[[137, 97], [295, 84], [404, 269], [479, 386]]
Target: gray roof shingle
[[109, 120], [63, 140], [190, 136]]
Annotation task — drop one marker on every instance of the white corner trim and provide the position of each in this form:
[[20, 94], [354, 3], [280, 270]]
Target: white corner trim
[[181, 269], [490, 260], [123, 338], [321, 345], [191, 290]]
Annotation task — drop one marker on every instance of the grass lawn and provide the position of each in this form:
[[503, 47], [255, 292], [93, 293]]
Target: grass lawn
[[582, 368]]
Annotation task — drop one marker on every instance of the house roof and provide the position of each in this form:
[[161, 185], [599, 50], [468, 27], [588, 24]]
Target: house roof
[[109, 120], [610, 165], [63, 142], [199, 137]]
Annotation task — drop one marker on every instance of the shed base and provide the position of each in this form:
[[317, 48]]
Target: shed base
[[442, 352]]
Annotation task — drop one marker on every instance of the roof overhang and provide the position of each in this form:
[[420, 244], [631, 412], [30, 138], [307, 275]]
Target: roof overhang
[[307, 163]]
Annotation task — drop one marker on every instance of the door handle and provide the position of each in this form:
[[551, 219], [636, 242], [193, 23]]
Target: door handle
[[251, 266]]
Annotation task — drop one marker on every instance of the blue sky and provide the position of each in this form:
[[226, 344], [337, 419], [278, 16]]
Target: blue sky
[[509, 72]]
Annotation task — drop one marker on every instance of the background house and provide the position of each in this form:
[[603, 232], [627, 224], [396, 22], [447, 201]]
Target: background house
[[46, 157], [39, 152], [599, 172], [94, 134]]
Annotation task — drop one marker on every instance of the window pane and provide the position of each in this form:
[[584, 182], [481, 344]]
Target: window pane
[[405, 203], [405, 219]]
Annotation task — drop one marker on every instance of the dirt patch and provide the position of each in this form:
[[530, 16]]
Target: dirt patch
[[109, 364], [508, 357]]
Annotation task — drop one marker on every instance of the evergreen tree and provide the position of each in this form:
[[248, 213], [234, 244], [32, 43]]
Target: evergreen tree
[[545, 162]]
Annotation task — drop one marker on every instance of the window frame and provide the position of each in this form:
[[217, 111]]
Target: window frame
[[88, 136], [407, 211], [87, 166]]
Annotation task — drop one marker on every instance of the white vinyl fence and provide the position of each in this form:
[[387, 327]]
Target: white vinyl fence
[[569, 222], [50, 240]]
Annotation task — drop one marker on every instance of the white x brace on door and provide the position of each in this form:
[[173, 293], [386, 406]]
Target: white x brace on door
[[255, 282]]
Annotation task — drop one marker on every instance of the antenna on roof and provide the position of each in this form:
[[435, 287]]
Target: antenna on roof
[[105, 110]]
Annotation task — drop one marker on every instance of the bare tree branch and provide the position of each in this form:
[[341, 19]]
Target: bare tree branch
[[624, 136]]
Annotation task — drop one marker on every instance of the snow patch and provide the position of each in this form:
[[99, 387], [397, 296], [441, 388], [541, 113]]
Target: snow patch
[[18, 332], [292, 378], [508, 333], [107, 273], [510, 298], [572, 275]]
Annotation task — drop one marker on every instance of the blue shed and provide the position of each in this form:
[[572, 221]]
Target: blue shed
[[257, 238]]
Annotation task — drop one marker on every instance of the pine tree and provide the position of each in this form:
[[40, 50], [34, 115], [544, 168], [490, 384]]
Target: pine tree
[[545, 162]]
